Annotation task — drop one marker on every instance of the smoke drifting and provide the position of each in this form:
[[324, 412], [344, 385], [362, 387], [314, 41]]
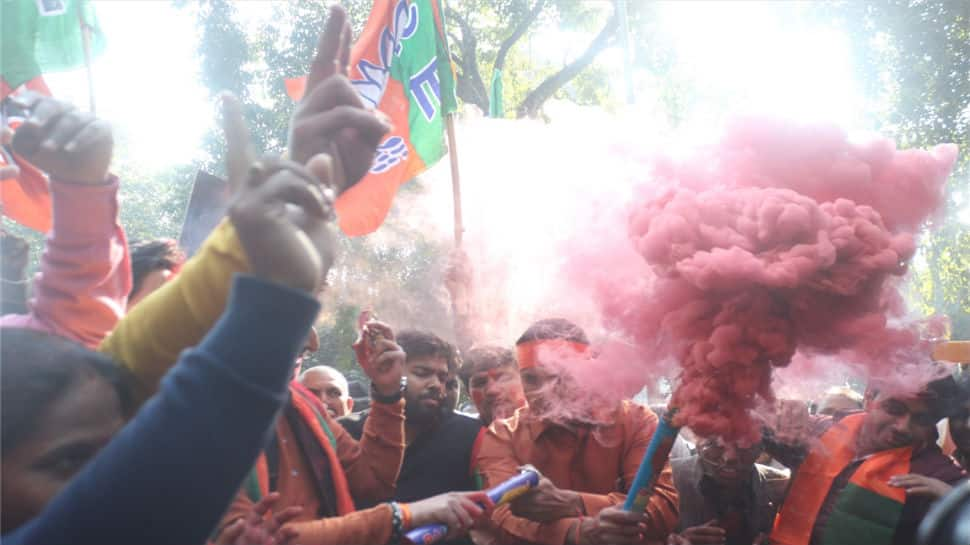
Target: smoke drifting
[[713, 268], [783, 237]]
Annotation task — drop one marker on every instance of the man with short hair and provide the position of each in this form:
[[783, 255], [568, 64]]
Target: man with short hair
[[330, 386], [865, 479], [588, 456], [725, 496], [491, 375], [441, 444]]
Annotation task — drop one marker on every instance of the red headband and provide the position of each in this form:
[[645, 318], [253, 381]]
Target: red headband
[[528, 352]]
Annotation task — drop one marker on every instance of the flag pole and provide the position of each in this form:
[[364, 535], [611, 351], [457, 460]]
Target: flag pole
[[455, 179], [86, 44]]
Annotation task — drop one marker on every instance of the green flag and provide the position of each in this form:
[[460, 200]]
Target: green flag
[[496, 107], [41, 36]]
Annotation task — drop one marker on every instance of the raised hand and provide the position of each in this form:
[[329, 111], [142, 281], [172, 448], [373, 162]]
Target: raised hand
[[69, 145], [381, 358], [281, 212], [256, 529], [331, 118], [457, 510]]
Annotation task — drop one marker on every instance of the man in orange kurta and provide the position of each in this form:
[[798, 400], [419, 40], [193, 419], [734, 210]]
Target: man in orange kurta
[[586, 467]]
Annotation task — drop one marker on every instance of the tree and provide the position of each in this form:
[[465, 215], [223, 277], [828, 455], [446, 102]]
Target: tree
[[476, 44], [916, 57], [395, 271]]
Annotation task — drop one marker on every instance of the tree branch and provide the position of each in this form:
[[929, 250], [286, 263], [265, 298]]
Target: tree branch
[[517, 33], [469, 85], [537, 97]]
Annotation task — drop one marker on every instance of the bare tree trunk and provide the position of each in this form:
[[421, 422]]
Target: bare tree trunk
[[517, 33], [537, 97], [468, 85]]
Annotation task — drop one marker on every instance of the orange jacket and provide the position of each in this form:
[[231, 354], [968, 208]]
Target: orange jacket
[[600, 470]]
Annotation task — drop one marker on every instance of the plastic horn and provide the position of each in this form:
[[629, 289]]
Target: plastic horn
[[658, 451], [503, 493]]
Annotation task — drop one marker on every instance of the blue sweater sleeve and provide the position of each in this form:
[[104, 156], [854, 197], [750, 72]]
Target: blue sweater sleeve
[[169, 475]]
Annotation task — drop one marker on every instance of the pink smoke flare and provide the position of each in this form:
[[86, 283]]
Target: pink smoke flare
[[783, 237]]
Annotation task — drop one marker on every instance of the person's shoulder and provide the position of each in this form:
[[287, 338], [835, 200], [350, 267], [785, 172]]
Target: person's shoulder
[[636, 417], [630, 407], [931, 462], [461, 421], [681, 464]]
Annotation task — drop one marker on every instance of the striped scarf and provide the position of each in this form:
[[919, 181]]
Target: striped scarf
[[311, 411]]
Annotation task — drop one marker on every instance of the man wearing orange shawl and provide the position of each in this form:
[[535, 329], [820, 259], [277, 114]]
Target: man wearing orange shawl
[[871, 476], [311, 462]]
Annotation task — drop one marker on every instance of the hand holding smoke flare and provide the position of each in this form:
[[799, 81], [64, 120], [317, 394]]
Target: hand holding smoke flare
[[783, 238], [505, 492]]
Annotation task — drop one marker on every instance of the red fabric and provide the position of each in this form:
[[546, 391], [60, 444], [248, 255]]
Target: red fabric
[[306, 403], [528, 353], [27, 199]]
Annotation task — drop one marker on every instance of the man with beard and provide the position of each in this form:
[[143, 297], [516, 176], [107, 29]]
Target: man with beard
[[869, 477], [441, 444], [588, 453], [491, 376], [725, 497]]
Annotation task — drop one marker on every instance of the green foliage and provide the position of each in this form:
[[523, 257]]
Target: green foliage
[[915, 59], [478, 29]]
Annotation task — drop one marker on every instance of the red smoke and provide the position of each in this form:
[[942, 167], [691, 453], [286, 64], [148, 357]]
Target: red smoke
[[784, 237]]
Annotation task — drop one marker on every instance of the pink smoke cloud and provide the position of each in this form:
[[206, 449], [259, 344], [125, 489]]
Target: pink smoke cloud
[[783, 237]]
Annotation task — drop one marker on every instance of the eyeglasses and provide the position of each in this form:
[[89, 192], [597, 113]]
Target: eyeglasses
[[714, 453]]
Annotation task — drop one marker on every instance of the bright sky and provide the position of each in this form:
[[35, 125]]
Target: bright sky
[[738, 55]]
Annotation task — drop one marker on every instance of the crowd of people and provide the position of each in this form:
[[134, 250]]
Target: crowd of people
[[149, 398]]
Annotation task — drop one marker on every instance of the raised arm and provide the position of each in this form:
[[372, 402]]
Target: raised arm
[[330, 120], [373, 463], [181, 441], [85, 274]]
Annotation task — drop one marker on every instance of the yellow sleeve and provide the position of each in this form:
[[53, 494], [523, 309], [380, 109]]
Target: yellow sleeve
[[149, 339]]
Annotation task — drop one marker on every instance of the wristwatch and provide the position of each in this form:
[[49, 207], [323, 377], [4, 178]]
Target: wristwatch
[[393, 398]]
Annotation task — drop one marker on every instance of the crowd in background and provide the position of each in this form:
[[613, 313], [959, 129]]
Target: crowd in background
[[147, 398]]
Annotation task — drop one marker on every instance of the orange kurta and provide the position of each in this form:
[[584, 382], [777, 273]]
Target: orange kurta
[[599, 468], [371, 465]]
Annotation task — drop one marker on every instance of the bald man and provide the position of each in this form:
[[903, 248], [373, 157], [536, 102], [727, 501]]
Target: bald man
[[331, 387]]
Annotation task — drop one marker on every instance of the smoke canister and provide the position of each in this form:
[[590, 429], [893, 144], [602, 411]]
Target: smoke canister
[[503, 493], [658, 452]]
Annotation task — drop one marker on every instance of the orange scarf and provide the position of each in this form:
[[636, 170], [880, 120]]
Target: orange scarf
[[311, 410], [815, 477]]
